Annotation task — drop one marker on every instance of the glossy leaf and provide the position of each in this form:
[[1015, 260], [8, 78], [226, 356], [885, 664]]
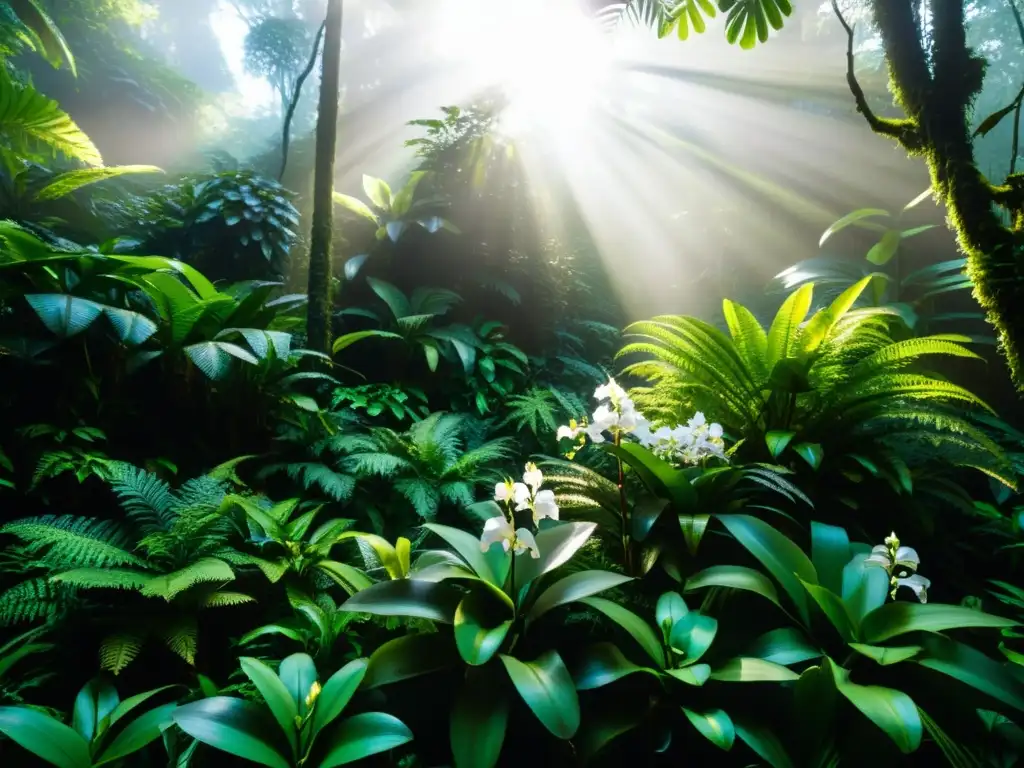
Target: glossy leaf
[[336, 693], [141, 731], [764, 743], [865, 587], [639, 629], [883, 251], [601, 664], [378, 191], [64, 315], [835, 609], [277, 697], [481, 624], [298, 673], [891, 710], [897, 618], [747, 669], [714, 725], [93, 704], [783, 559], [436, 601], [850, 219], [695, 674], [973, 668], [669, 609], [468, 548], [356, 206], [362, 736], [886, 656], [409, 656], [479, 721], [66, 183], [574, 587], [812, 453], [45, 737], [786, 645], [777, 441], [240, 728], [830, 553], [693, 635], [733, 577], [557, 545], [661, 478], [548, 690]]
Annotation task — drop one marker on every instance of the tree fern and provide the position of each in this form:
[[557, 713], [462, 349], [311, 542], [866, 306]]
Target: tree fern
[[145, 498], [534, 409], [67, 541], [30, 601]]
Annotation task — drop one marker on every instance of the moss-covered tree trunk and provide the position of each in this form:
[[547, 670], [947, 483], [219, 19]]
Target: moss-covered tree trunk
[[318, 319], [935, 84]]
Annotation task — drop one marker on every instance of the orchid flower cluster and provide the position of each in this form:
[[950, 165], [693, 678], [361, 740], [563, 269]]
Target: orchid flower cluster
[[689, 443], [519, 497], [901, 564]]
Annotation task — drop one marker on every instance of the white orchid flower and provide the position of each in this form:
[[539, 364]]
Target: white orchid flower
[[907, 557], [610, 391], [715, 431], [698, 420], [917, 583], [544, 506], [516, 493], [568, 432], [499, 530], [533, 477], [879, 556]]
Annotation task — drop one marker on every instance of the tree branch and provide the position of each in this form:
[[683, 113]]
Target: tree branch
[[904, 131], [286, 131]]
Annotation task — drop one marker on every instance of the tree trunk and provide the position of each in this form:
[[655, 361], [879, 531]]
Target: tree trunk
[[935, 82], [318, 321]]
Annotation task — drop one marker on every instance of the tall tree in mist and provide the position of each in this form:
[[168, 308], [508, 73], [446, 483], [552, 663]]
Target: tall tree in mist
[[318, 321]]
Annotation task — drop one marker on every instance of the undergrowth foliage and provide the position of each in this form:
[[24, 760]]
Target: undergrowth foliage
[[786, 543]]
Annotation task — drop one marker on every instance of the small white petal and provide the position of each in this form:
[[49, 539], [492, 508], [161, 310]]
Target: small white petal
[[544, 506], [501, 492], [525, 541], [521, 496], [908, 558], [715, 431], [698, 420], [917, 583], [496, 529], [533, 477], [567, 432]]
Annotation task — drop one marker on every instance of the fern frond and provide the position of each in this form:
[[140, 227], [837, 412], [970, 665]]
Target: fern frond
[[379, 464], [146, 498], [272, 569], [64, 541], [225, 600], [203, 492], [336, 485], [119, 650], [103, 578], [32, 600], [206, 570], [534, 408], [182, 639], [424, 498]]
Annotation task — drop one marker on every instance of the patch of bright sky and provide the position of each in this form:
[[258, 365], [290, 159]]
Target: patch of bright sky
[[255, 93]]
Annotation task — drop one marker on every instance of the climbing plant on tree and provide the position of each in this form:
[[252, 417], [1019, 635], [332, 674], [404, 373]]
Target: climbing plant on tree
[[935, 77]]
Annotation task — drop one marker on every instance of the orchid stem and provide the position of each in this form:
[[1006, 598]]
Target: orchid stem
[[623, 513]]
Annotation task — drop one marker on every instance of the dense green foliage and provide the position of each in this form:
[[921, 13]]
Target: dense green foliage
[[429, 547]]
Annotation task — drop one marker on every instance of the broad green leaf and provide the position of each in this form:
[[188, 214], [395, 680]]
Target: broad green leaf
[[714, 725], [479, 720], [602, 727], [865, 587], [378, 191], [764, 743], [481, 624], [348, 577], [361, 736], [972, 668], [347, 340], [886, 656], [812, 453], [786, 645], [238, 727], [574, 587], [436, 601], [747, 669], [47, 39], [336, 694], [785, 328], [403, 199], [898, 618], [835, 609], [601, 664], [93, 704], [131, 328], [132, 702], [214, 358], [734, 577], [820, 326], [557, 545], [639, 629], [883, 251], [830, 553], [849, 219], [45, 737], [409, 656], [468, 548], [777, 440], [141, 731], [277, 697], [356, 206], [695, 674], [669, 609], [66, 183], [548, 690], [693, 635], [783, 559], [298, 673], [660, 477], [693, 527], [892, 711]]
